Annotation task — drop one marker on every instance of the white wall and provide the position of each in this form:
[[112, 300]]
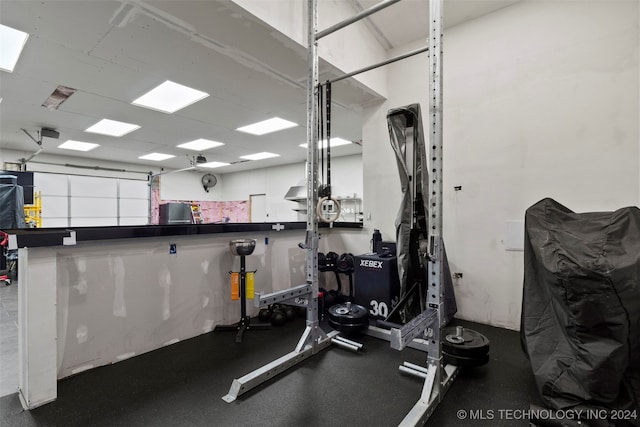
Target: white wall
[[349, 49], [109, 309], [346, 180], [540, 100], [187, 185]]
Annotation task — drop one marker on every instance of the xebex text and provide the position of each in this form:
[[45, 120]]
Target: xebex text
[[370, 263]]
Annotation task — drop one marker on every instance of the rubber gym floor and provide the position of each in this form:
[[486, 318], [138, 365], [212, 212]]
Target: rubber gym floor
[[183, 385]]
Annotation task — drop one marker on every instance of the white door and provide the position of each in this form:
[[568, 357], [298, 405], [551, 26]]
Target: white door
[[258, 207]]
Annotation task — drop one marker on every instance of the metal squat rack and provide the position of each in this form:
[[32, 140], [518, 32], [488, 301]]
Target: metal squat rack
[[423, 332]]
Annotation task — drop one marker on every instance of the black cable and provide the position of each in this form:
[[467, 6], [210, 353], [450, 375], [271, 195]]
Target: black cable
[[321, 130], [328, 123]]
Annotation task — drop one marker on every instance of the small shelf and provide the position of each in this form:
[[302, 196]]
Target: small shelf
[[350, 206]]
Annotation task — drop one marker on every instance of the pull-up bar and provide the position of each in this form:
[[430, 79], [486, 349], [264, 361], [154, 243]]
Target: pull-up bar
[[370, 11], [380, 64]]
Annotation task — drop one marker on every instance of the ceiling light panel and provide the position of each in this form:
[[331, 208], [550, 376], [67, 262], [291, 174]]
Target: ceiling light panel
[[78, 145], [212, 165], [157, 157], [335, 142], [112, 128], [200, 144], [170, 97], [12, 42], [260, 156], [267, 126]]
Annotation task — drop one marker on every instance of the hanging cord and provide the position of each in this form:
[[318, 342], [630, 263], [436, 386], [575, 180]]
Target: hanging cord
[[328, 124], [321, 136], [325, 193]]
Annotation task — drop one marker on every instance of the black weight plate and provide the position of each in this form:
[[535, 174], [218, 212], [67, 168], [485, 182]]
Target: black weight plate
[[475, 344], [348, 319], [465, 362], [348, 328], [343, 314]]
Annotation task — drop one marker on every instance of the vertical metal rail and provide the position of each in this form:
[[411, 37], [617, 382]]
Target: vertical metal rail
[[150, 179], [435, 297], [118, 201], [69, 201], [313, 339], [312, 237], [439, 377], [435, 292]]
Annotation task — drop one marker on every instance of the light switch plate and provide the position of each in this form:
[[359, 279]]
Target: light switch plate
[[514, 235]]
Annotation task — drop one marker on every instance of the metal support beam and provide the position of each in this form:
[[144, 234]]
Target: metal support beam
[[343, 342], [311, 239], [431, 396], [435, 292], [385, 334], [439, 377], [361, 15], [299, 291], [253, 379], [313, 338], [415, 370], [380, 64], [414, 329]]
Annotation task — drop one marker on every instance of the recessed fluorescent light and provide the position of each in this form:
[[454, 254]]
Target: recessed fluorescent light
[[78, 145], [200, 144], [267, 126], [212, 165], [259, 156], [156, 156], [112, 128], [12, 42], [170, 97], [335, 142]]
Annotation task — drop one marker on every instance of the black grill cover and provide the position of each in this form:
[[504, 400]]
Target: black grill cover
[[581, 305], [11, 203]]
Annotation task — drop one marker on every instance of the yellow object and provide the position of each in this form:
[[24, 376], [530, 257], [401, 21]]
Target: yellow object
[[33, 213], [196, 214], [235, 286], [250, 280]]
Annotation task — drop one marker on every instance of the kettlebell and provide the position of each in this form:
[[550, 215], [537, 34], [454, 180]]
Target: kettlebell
[[301, 311], [278, 318], [290, 312], [264, 315]]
